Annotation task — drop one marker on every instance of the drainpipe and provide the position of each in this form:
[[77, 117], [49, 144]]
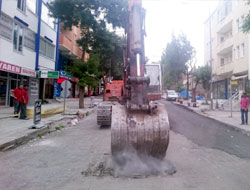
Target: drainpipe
[[0, 7], [57, 57], [38, 34], [57, 45]]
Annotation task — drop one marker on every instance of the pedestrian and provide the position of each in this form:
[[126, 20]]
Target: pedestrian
[[24, 102], [17, 98], [244, 103]]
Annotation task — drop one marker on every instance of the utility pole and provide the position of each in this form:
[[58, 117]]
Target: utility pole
[[211, 61]]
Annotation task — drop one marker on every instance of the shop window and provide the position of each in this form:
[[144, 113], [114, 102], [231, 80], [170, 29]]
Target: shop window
[[21, 4], [18, 38]]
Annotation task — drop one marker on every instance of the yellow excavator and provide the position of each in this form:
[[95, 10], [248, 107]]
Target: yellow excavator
[[141, 123]]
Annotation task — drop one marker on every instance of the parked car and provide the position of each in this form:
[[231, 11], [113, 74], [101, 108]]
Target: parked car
[[172, 95]]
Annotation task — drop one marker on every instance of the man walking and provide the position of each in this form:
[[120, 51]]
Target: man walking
[[17, 93], [244, 103], [24, 102]]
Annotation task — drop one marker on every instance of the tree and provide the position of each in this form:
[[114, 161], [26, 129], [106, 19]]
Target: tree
[[202, 76], [91, 16], [87, 73], [246, 23], [176, 60]]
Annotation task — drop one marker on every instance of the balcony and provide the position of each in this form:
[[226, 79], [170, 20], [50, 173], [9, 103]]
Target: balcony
[[225, 70], [225, 47]]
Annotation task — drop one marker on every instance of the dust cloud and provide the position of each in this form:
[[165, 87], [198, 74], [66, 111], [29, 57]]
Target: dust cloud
[[131, 165]]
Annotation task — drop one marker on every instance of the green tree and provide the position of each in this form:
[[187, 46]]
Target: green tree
[[92, 16], [87, 74], [176, 61], [246, 23], [202, 76]]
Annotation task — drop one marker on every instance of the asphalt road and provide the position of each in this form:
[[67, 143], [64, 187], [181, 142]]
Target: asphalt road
[[207, 132], [58, 160]]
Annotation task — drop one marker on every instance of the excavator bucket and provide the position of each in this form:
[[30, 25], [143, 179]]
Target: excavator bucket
[[147, 133]]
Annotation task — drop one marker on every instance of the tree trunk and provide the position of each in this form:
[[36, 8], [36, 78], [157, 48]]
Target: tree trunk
[[187, 86], [194, 95], [206, 97], [81, 97]]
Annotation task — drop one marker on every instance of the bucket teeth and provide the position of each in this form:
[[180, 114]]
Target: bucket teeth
[[147, 134]]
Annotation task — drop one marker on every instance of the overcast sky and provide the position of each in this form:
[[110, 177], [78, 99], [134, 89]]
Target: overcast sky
[[167, 17]]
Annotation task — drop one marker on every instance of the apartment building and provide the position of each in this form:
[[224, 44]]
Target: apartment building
[[68, 52], [28, 44], [226, 47]]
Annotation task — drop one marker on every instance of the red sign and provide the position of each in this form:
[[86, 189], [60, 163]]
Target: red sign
[[16, 69], [10, 68], [28, 72]]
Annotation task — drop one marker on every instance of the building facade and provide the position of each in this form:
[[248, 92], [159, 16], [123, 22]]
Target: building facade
[[28, 44], [226, 48]]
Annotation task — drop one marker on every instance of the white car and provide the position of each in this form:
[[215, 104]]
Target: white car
[[172, 95]]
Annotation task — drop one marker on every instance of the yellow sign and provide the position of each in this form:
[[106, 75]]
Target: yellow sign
[[234, 82]]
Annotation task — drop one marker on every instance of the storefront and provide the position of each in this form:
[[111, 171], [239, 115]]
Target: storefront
[[220, 89], [10, 77], [72, 87]]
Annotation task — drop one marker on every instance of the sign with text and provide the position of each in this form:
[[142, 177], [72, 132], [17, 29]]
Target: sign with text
[[37, 112], [49, 74], [16, 69], [234, 83]]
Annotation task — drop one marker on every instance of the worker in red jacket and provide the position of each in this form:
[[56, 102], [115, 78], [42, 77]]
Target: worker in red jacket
[[244, 103], [24, 102], [17, 93]]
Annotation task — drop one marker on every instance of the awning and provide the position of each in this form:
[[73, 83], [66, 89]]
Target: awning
[[239, 77]]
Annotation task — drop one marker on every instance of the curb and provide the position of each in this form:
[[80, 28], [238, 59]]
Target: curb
[[226, 124], [33, 134]]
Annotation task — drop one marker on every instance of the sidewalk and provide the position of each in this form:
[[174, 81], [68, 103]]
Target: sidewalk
[[15, 132], [219, 115]]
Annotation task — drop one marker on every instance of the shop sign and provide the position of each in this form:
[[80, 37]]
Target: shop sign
[[49, 74], [16, 69], [10, 68], [28, 72], [234, 82], [34, 87]]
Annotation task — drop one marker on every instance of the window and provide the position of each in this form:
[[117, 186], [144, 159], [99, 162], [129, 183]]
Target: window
[[18, 38], [6, 26], [46, 18], [29, 39], [222, 61], [50, 49], [32, 5], [242, 50], [238, 25], [21, 4], [238, 52], [47, 49], [221, 39], [42, 46]]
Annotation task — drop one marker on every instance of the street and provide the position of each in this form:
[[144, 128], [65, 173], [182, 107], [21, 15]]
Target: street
[[58, 160]]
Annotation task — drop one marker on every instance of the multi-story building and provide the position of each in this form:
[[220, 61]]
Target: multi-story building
[[226, 47], [28, 44]]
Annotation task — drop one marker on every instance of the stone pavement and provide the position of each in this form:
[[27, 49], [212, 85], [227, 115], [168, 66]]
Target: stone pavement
[[219, 115], [15, 132]]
